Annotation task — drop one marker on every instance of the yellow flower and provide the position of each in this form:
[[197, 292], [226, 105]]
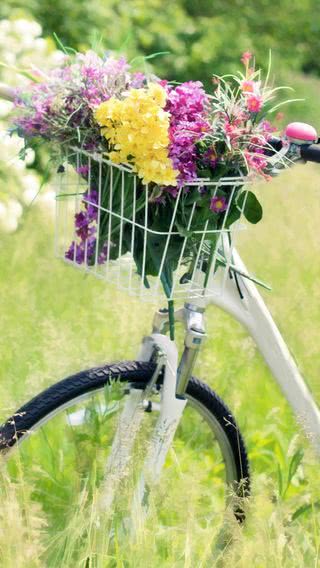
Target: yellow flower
[[137, 128], [158, 94]]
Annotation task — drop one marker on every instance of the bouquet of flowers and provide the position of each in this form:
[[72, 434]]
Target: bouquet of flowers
[[168, 137]]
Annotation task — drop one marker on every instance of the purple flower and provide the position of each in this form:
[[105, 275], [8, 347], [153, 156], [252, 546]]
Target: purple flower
[[173, 191], [85, 218], [81, 220], [83, 171], [90, 246], [86, 229], [138, 80], [84, 250], [65, 100], [210, 158], [75, 253], [91, 202], [218, 204], [103, 254], [187, 107]]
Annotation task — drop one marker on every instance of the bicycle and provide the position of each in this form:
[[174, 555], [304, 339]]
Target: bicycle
[[85, 409]]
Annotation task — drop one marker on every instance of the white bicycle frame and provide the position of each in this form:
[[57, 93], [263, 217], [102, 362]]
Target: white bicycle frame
[[248, 308]]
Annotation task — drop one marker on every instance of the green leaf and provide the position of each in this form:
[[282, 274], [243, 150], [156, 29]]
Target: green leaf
[[205, 173], [233, 216], [23, 72], [251, 207], [294, 464], [183, 231], [193, 196], [66, 50], [307, 508], [280, 480]]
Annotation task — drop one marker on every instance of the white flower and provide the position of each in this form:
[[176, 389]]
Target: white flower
[[22, 46], [5, 26], [39, 44], [3, 211], [32, 186], [14, 208], [48, 199], [9, 225], [26, 28], [5, 108], [8, 222]]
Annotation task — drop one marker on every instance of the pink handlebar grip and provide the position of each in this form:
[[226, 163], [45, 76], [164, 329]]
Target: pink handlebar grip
[[301, 132]]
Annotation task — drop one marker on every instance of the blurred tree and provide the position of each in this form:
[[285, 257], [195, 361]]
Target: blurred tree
[[202, 36]]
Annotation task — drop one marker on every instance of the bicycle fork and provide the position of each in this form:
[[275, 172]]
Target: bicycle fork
[[172, 404], [175, 379]]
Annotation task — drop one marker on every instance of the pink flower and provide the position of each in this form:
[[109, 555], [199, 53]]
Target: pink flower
[[256, 160], [229, 129], [254, 103], [267, 129], [248, 86], [246, 56], [218, 204]]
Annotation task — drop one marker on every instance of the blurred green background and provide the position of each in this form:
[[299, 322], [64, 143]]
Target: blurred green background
[[201, 37], [55, 321]]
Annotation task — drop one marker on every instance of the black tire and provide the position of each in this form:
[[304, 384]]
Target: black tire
[[138, 374]]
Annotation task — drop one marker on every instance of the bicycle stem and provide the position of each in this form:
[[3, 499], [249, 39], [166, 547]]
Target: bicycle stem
[[192, 318]]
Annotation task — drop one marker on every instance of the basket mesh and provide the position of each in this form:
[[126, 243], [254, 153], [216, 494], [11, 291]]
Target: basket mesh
[[108, 225]]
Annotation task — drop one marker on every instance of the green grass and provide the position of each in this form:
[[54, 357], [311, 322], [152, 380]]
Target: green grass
[[54, 322]]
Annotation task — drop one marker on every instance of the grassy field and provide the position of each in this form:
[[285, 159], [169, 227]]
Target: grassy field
[[54, 322]]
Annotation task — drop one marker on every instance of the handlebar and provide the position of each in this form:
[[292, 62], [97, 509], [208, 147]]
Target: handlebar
[[311, 153], [274, 145], [307, 151]]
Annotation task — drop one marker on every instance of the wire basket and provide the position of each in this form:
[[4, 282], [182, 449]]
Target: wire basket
[[107, 224]]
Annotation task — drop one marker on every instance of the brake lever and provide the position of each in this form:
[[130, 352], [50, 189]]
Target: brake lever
[[289, 155]]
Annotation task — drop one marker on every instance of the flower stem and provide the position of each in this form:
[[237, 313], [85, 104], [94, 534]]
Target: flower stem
[[171, 318]]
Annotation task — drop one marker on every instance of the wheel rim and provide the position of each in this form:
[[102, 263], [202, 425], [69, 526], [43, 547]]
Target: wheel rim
[[65, 454]]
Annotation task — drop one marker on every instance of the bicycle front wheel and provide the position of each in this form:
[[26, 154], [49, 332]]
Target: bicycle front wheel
[[59, 443]]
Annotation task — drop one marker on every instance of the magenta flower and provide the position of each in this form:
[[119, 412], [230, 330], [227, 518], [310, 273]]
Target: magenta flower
[[256, 160], [218, 204], [254, 103], [267, 128]]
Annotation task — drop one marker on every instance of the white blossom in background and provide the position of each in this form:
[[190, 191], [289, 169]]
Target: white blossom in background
[[21, 47]]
